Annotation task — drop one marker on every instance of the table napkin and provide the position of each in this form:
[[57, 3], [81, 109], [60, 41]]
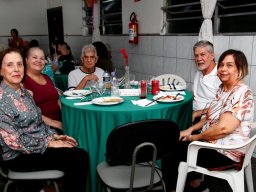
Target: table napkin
[[83, 103], [171, 93], [129, 92], [143, 102], [76, 97]]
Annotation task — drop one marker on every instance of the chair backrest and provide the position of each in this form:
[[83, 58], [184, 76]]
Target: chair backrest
[[251, 146], [121, 142], [168, 78]]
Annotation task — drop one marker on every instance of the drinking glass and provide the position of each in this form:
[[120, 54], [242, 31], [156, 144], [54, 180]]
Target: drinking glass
[[100, 88]]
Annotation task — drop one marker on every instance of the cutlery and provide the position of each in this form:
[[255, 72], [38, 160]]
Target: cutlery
[[176, 96], [154, 100], [168, 83], [174, 87]]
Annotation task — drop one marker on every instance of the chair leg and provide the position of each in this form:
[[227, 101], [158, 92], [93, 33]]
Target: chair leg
[[55, 186], [182, 177], [237, 183], [248, 178], [7, 185]]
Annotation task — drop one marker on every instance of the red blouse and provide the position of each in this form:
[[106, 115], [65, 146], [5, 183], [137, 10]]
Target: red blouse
[[45, 96]]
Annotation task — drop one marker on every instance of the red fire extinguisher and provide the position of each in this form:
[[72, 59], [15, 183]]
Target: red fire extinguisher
[[133, 29]]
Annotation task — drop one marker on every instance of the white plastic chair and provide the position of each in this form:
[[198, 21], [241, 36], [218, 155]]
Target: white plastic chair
[[165, 79], [235, 178], [47, 175]]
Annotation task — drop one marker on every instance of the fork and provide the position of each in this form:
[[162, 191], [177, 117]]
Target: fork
[[174, 87], [176, 96]]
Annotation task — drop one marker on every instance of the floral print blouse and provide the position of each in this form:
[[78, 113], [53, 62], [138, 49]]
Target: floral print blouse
[[22, 129], [238, 101]]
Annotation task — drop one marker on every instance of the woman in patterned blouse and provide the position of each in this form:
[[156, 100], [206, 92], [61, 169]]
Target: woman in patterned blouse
[[226, 122], [27, 143]]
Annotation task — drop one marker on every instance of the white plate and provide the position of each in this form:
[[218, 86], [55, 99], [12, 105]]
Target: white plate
[[169, 98], [77, 93], [168, 88], [107, 100]]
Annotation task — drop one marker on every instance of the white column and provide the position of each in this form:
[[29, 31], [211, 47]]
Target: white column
[[206, 32], [96, 22]]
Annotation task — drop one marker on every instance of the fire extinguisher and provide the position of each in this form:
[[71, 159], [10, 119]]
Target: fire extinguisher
[[133, 29]]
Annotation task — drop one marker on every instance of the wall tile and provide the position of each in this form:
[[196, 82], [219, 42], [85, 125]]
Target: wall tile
[[221, 44], [156, 66], [184, 68], [146, 44], [157, 45], [252, 79], [253, 51], [193, 71], [184, 47], [169, 65], [243, 43], [147, 61], [170, 46]]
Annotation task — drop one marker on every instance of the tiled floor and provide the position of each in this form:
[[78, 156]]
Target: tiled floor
[[215, 185]]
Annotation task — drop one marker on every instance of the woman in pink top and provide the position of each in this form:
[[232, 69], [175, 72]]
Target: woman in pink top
[[226, 122], [44, 93]]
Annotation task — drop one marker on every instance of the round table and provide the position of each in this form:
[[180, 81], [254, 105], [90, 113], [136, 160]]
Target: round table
[[61, 81], [91, 124]]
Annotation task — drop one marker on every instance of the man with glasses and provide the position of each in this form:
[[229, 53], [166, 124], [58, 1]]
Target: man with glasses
[[87, 74], [206, 82]]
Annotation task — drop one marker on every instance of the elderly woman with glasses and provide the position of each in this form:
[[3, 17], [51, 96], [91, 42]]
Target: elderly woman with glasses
[[87, 74], [226, 122]]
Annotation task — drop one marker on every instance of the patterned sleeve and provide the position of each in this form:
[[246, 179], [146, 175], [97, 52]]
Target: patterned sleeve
[[240, 103], [20, 141]]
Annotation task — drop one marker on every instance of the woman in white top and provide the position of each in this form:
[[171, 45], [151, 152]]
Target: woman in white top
[[87, 74]]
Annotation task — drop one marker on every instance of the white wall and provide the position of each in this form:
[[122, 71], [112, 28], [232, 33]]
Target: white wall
[[148, 13], [28, 16]]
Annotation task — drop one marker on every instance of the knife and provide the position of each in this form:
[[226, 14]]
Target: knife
[[154, 100]]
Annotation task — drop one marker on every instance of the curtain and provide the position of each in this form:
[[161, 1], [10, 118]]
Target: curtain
[[96, 22], [206, 32]]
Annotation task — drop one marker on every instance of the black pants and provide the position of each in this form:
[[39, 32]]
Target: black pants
[[207, 158], [74, 162]]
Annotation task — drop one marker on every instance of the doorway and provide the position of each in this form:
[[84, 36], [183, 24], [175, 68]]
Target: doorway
[[55, 26]]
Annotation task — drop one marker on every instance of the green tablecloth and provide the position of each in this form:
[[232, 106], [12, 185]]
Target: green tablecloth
[[90, 125], [61, 81]]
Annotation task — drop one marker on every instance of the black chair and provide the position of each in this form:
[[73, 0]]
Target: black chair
[[131, 153]]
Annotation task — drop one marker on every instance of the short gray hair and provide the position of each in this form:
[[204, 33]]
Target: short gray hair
[[88, 48], [206, 44]]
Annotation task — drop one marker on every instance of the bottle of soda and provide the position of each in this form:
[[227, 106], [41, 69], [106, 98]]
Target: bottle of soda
[[143, 89]]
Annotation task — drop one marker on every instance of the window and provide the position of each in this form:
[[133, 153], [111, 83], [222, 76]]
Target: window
[[231, 16], [238, 16], [183, 16], [111, 17]]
